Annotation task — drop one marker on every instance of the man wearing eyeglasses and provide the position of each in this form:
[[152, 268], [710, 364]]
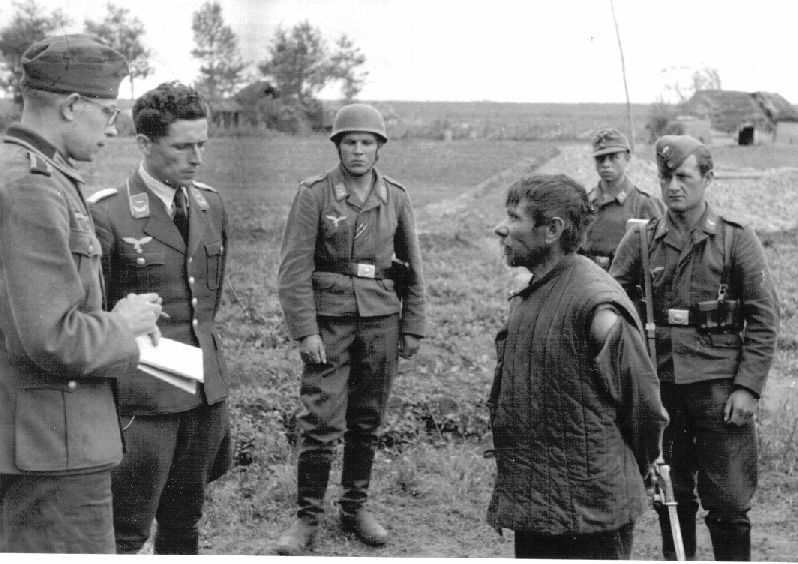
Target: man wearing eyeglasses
[[59, 351], [162, 231], [615, 198]]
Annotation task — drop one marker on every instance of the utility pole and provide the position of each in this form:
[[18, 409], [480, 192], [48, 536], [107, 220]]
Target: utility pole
[[623, 71]]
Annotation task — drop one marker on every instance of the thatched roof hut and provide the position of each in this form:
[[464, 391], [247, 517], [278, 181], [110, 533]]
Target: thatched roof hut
[[730, 109]]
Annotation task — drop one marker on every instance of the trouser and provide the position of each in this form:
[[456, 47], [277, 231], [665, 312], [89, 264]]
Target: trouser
[[169, 461], [717, 459], [346, 397], [57, 514], [610, 545]]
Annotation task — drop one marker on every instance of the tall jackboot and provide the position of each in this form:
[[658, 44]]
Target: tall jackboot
[[313, 473], [355, 478], [687, 524], [731, 537], [176, 542]]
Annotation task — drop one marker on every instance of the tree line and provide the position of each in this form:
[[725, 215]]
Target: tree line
[[281, 92]]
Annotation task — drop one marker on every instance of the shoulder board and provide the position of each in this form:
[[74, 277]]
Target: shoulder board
[[394, 182], [204, 186], [308, 182], [733, 222], [38, 165], [101, 194]]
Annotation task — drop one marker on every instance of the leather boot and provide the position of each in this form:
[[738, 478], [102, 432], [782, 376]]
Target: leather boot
[[356, 471], [169, 541], [731, 537], [313, 473], [298, 538], [687, 524], [365, 527]]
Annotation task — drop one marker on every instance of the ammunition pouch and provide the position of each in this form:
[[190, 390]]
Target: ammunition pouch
[[717, 316]]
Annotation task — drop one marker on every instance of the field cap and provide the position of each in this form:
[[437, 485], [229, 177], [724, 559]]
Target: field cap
[[74, 63], [610, 141], [673, 150]]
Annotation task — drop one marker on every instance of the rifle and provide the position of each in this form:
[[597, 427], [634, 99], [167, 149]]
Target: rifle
[[663, 486]]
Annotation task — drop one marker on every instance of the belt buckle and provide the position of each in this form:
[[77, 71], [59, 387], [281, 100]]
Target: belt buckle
[[679, 317], [602, 261], [365, 270]]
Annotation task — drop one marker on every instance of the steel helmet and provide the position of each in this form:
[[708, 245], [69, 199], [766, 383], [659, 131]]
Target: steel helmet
[[358, 117]]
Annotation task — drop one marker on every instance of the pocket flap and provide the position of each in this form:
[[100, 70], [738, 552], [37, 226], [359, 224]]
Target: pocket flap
[[214, 248], [83, 243]]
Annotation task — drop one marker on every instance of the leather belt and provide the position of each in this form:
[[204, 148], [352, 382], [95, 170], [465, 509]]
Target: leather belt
[[356, 269]]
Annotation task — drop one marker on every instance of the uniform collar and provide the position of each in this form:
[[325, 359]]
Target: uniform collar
[[709, 224], [620, 197], [337, 175], [29, 139], [162, 191]]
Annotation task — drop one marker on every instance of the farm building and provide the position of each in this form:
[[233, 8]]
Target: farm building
[[226, 112], [735, 112]]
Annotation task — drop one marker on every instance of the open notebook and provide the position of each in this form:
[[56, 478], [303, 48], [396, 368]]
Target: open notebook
[[173, 362]]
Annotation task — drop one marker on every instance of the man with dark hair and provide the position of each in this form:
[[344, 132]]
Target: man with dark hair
[[574, 407], [165, 232], [717, 317], [59, 352], [615, 198], [352, 315]]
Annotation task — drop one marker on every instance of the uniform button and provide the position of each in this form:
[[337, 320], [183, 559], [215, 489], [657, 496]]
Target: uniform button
[[221, 249], [72, 386], [140, 260], [194, 301], [194, 322], [191, 279], [91, 248], [190, 259]]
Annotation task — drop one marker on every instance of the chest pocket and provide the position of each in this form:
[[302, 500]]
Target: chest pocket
[[214, 259], [84, 246]]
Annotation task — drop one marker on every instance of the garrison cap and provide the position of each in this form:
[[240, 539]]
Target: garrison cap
[[673, 150], [610, 141], [74, 63]]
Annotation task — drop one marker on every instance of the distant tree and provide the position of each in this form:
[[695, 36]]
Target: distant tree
[[297, 62], [29, 24], [300, 65], [124, 34], [344, 65], [706, 79], [681, 82], [217, 47]]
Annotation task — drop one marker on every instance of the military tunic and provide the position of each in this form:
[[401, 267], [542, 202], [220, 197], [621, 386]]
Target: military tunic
[[58, 350], [144, 252], [327, 234], [610, 225], [685, 274]]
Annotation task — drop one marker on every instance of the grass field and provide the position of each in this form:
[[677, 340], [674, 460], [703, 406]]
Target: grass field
[[431, 481]]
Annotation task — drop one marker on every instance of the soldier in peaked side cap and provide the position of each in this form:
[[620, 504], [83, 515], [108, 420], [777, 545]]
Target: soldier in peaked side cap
[[59, 351], [352, 313], [162, 231], [615, 198], [717, 317]]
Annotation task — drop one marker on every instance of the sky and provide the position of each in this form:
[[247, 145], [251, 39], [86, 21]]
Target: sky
[[499, 50]]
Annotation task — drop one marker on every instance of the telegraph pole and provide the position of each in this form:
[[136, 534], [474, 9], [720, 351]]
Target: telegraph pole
[[623, 71]]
